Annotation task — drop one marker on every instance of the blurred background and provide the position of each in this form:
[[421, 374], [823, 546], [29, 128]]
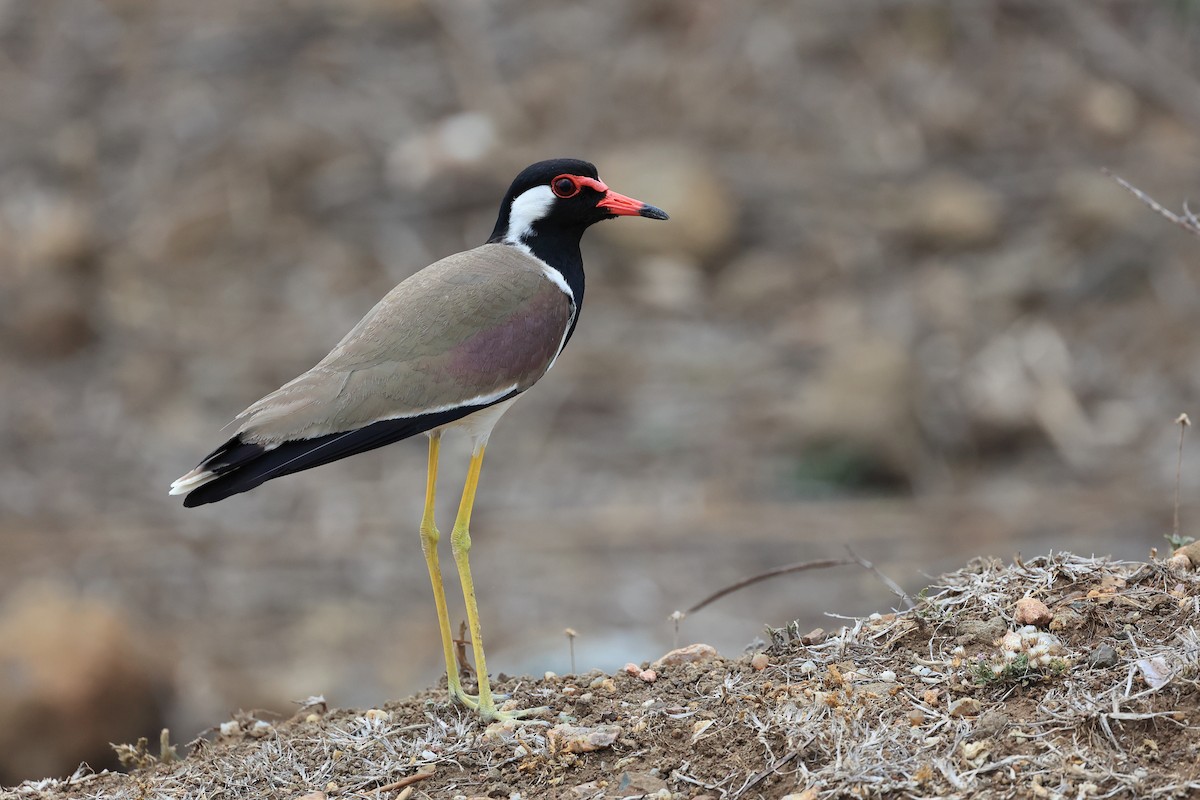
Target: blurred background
[[898, 306]]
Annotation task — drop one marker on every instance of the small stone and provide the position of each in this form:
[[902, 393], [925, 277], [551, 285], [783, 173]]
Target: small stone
[[692, 654], [1031, 611], [230, 728], [1192, 551], [577, 739], [548, 675], [312, 718], [930, 697], [760, 661], [640, 784], [887, 676], [964, 707], [976, 752], [631, 669], [311, 796], [1066, 619], [1179, 563], [648, 675], [815, 636], [980, 632], [808, 794], [377, 715], [1102, 657]]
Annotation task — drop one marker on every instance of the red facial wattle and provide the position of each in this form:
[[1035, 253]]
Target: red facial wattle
[[616, 204]]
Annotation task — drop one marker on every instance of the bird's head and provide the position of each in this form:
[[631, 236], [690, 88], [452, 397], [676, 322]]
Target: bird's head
[[561, 195]]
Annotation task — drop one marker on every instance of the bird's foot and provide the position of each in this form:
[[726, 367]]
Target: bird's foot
[[489, 713], [520, 716], [471, 701]]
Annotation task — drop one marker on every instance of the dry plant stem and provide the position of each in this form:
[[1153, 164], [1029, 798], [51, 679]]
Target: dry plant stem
[[460, 649], [1189, 222], [571, 634], [771, 770], [400, 784], [771, 573], [889, 583], [1183, 422]]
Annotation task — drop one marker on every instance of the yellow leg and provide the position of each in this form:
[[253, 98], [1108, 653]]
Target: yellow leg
[[460, 544], [429, 543]]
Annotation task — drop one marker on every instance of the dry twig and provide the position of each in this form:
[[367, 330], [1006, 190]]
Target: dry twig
[[787, 569], [1183, 422], [1188, 222]]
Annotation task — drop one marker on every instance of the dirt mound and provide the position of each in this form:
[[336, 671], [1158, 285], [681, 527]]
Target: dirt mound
[[954, 698]]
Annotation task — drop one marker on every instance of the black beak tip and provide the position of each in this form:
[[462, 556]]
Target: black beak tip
[[652, 212]]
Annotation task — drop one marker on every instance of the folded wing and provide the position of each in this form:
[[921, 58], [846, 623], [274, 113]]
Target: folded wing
[[465, 333]]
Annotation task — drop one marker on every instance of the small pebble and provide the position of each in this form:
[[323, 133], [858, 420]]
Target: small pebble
[[1102, 657], [1031, 611], [815, 636], [550, 675], [692, 654], [575, 739], [648, 675], [1179, 563], [888, 676], [964, 707], [230, 728], [631, 669]]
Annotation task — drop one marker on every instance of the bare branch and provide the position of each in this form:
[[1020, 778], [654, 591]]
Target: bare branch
[[1188, 222], [889, 583], [803, 566]]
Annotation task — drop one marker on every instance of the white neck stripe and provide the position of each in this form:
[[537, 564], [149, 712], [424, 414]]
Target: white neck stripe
[[526, 209]]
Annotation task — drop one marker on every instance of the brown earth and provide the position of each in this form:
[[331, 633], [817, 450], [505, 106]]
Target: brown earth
[[922, 703]]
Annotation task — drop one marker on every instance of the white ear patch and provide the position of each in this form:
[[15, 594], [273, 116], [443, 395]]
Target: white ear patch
[[527, 208]]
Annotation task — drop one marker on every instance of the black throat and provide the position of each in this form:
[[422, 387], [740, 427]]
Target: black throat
[[558, 248]]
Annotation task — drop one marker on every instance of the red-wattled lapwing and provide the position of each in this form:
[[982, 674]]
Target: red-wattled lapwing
[[453, 346]]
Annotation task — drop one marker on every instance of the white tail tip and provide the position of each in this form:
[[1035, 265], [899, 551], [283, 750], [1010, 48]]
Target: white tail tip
[[190, 481]]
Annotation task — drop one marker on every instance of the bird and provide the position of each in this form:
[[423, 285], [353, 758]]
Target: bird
[[450, 348]]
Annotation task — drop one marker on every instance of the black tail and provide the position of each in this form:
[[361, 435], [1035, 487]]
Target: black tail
[[241, 466]]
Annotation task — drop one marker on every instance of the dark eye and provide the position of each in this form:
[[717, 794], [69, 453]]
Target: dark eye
[[563, 186]]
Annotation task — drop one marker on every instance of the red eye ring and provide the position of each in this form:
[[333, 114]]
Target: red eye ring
[[564, 186]]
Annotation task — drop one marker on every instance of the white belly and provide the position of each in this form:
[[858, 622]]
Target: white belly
[[478, 426]]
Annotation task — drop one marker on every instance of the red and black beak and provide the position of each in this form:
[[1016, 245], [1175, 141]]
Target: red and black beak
[[617, 204], [621, 206]]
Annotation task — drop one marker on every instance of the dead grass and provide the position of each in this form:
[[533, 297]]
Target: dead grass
[[881, 708]]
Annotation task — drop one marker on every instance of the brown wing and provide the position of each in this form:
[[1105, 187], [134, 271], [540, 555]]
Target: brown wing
[[465, 331]]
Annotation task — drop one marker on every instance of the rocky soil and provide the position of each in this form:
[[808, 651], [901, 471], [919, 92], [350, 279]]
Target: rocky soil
[[1058, 677]]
